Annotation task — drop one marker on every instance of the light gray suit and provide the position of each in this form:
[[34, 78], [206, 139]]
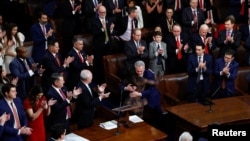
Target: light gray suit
[[153, 55]]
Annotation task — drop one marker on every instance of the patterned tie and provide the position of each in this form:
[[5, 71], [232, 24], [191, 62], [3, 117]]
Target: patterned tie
[[16, 118], [159, 57], [178, 45], [68, 107]]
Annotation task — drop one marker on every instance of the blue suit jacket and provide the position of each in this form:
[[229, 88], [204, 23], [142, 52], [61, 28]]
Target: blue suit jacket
[[233, 70], [192, 74], [25, 81], [9, 132], [39, 41]]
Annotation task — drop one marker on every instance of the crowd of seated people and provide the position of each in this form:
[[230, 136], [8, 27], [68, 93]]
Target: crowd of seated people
[[183, 42]]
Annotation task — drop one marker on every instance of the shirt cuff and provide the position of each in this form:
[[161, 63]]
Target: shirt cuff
[[31, 73]]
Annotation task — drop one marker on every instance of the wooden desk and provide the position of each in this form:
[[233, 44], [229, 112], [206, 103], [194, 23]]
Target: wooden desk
[[195, 117], [139, 132]]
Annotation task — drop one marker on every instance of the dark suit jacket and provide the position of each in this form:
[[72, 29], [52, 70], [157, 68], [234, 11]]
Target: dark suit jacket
[[130, 51], [99, 35], [75, 68], [122, 25], [85, 106], [192, 74], [39, 41], [187, 18], [244, 30], [233, 70], [25, 81], [9, 132], [223, 47], [197, 39], [51, 66], [164, 27], [58, 110], [110, 6], [172, 60]]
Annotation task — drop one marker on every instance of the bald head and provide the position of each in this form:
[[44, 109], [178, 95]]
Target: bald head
[[102, 12]]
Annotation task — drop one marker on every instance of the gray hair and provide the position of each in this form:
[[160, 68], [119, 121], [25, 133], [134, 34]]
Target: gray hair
[[139, 64], [204, 26], [186, 136], [77, 38], [85, 74]]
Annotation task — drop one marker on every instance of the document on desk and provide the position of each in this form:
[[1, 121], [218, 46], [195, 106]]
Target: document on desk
[[109, 124], [74, 137], [135, 119]]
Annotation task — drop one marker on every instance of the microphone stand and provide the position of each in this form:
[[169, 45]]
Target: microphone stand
[[210, 99], [119, 114]]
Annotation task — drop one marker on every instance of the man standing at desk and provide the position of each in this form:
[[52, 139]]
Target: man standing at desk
[[225, 72]]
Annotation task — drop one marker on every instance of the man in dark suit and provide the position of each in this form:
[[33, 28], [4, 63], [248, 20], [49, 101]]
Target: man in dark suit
[[244, 30], [87, 100], [114, 8], [3, 118], [199, 69], [124, 29], [71, 12], [91, 11], [150, 93], [228, 38], [136, 49], [24, 69], [177, 50], [204, 37], [41, 33], [81, 61], [16, 127], [102, 27], [53, 63], [193, 17], [225, 72], [61, 111]]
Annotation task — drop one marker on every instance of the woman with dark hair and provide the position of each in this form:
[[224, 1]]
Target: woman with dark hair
[[12, 40], [36, 107]]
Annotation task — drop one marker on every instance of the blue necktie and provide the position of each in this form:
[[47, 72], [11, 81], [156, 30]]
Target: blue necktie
[[159, 57]]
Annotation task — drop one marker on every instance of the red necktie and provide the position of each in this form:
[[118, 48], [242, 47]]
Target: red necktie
[[206, 47], [201, 4], [177, 5], [242, 10], [196, 23], [16, 118], [178, 45], [80, 56], [58, 60], [68, 107]]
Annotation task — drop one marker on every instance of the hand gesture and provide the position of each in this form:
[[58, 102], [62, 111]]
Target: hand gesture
[[160, 51], [112, 26], [130, 88], [68, 60], [44, 105], [3, 118], [104, 95], [101, 88], [186, 46], [51, 102], [14, 81], [34, 66], [50, 32], [25, 131], [90, 59], [134, 94], [77, 91], [41, 70]]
